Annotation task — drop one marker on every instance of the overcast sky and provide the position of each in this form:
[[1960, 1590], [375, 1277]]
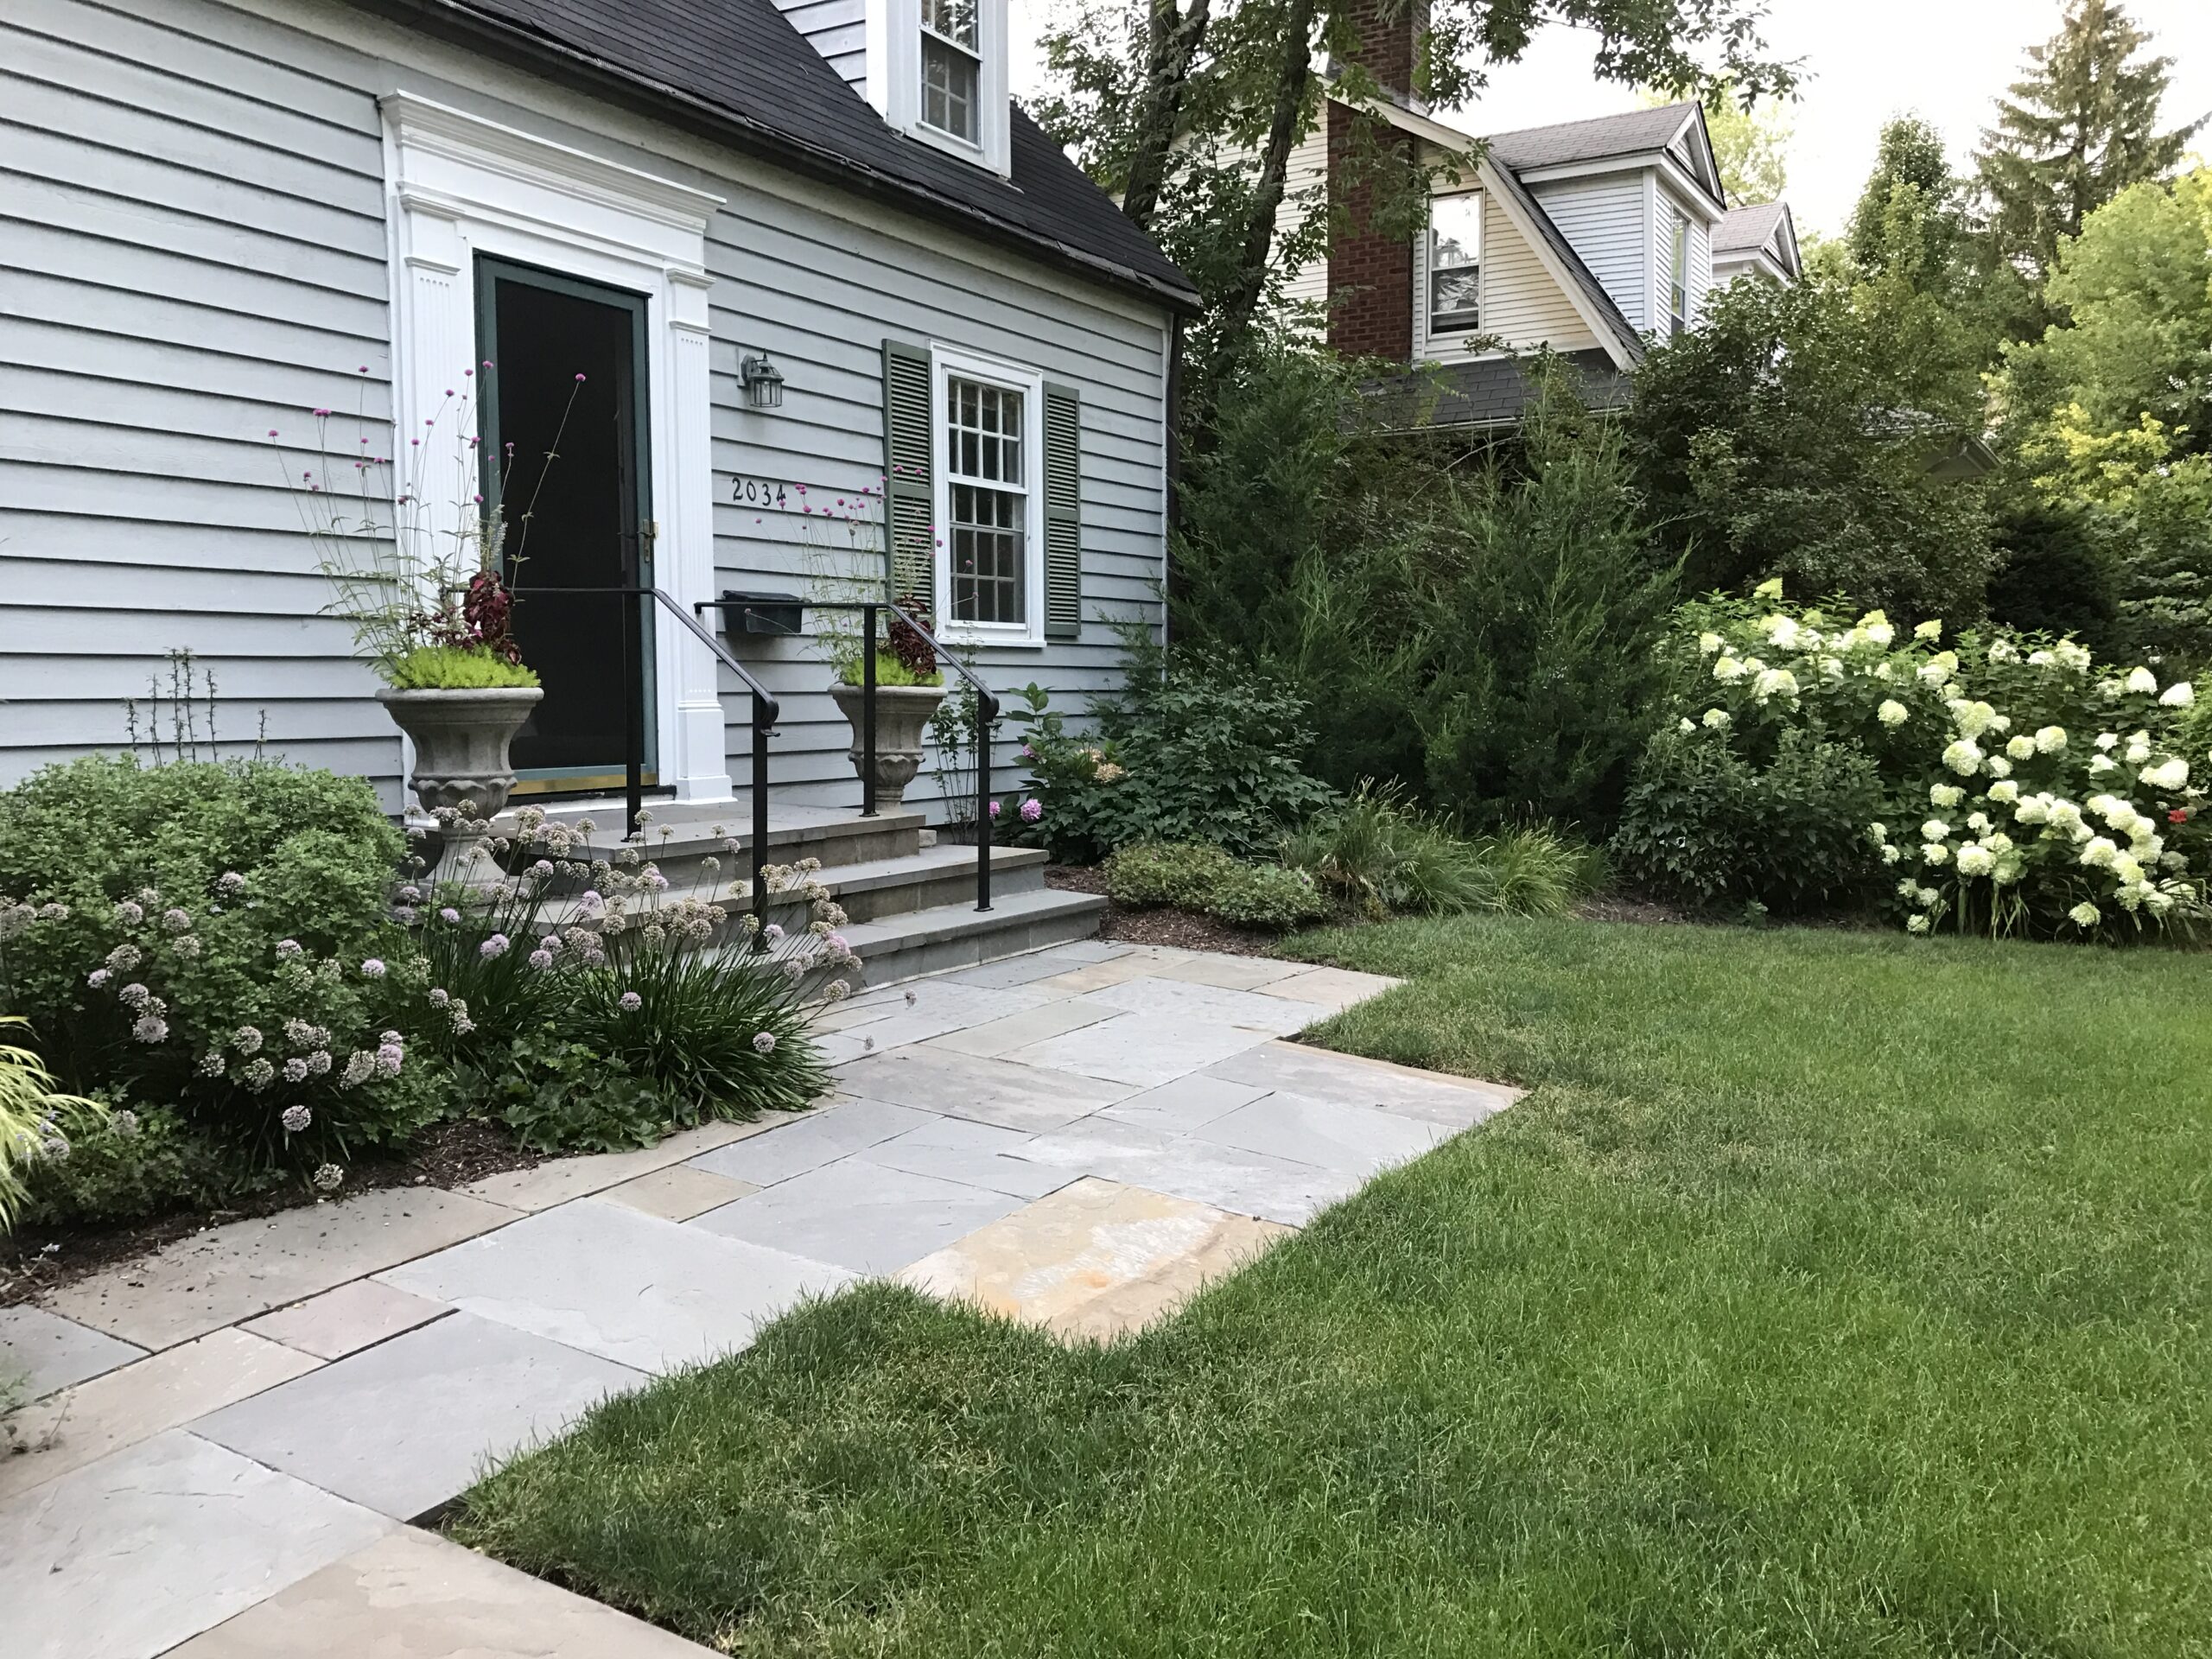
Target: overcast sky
[[1864, 61]]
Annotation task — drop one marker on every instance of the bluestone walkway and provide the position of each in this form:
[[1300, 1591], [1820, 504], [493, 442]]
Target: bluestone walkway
[[231, 1439]]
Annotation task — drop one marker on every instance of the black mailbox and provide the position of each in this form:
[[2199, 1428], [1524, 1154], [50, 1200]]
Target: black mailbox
[[759, 613]]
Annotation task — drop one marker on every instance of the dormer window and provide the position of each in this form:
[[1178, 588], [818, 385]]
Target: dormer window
[[952, 68], [1455, 270], [937, 72]]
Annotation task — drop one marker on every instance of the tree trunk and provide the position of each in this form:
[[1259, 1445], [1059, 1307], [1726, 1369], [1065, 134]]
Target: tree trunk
[[1174, 38], [1243, 297]]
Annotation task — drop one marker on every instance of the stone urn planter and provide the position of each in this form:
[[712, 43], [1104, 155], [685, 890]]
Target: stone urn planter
[[460, 741], [902, 713]]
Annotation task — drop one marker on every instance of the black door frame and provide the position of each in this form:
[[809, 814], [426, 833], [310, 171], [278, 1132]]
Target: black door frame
[[635, 478]]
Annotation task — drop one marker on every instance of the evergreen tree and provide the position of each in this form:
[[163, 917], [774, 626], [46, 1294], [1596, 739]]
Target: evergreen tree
[[2081, 128], [1909, 213]]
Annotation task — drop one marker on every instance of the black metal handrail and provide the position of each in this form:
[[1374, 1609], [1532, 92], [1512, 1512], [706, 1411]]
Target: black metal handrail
[[987, 715], [766, 711]]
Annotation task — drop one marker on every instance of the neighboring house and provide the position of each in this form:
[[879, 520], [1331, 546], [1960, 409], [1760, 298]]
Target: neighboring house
[[1588, 238], [215, 218], [1756, 241]]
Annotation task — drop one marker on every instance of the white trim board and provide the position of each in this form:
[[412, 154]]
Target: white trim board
[[461, 185]]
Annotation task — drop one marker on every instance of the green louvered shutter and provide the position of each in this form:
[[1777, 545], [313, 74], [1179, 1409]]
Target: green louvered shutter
[[1063, 512], [909, 497]]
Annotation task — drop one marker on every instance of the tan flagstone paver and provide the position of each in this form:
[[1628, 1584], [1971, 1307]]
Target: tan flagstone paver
[[559, 1180], [414, 1595], [247, 1268], [346, 1321], [1094, 1259], [1332, 987], [77, 1426], [1459, 1103], [1096, 977], [43, 1351], [996, 1090], [996, 1036], [1235, 973], [678, 1193]]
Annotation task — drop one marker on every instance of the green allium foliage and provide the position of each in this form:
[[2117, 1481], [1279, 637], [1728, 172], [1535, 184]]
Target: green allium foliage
[[2020, 787]]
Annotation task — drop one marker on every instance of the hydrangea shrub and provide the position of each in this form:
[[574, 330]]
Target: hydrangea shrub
[[2023, 788]]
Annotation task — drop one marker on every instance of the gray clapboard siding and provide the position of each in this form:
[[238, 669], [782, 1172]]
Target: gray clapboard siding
[[836, 29], [1603, 220], [192, 251]]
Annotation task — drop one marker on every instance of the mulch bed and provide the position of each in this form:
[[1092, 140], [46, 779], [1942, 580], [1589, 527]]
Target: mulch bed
[[36, 1259], [1179, 928]]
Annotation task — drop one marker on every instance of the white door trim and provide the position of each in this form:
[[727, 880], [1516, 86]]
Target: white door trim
[[460, 185]]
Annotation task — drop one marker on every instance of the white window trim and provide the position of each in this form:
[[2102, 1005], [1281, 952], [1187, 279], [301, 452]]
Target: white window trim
[[461, 185], [894, 81], [1450, 339], [946, 362]]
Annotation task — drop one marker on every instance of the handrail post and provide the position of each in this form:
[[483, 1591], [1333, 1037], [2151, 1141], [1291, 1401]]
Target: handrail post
[[867, 711], [761, 720], [987, 714]]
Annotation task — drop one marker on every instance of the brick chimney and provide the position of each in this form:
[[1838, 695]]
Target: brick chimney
[[1371, 276]]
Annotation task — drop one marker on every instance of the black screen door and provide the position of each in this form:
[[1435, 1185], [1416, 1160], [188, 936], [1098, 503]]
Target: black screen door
[[563, 421]]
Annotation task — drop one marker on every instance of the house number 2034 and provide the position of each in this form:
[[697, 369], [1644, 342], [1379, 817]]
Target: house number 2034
[[760, 492]]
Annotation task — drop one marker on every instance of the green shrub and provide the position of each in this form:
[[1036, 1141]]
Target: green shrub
[[1160, 873], [36, 1119], [1198, 753], [216, 935], [1268, 897], [458, 668], [133, 1165]]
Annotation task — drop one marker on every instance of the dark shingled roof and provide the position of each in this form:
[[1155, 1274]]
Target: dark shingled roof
[[739, 68], [1491, 391], [1603, 135]]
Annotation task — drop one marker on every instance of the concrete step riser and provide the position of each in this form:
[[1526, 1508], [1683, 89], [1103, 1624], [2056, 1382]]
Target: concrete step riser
[[681, 864], [888, 966]]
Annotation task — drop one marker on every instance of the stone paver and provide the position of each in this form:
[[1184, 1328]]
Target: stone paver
[[1095, 1259], [1456, 1102], [823, 1136], [121, 1408], [996, 1036], [247, 1268], [405, 1425], [984, 1091], [863, 1215], [1362, 1140], [129, 1555], [1112, 971], [678, 1193], [1184, 1104], [1236, 973], [979, 1155], [1141, 1051], [346, 1321], [414, 1595], [1244, 1183], [1331, 988], [612, 1281], [1186, 1001], [43, 1351], [1039, 964], [559, 1180]]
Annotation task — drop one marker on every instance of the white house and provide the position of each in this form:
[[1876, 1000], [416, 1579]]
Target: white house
[[1756, 241], [217, 216]]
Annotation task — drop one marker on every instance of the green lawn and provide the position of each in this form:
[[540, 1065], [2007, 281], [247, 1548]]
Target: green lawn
[[1830, 1294]]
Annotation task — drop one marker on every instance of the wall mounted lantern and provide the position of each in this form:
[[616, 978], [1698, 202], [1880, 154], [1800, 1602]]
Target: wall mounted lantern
[[764, 382]]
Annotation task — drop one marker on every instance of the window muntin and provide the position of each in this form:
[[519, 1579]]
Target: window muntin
[[1455, 271], [952, 68], [1678, 276], [986, 472]]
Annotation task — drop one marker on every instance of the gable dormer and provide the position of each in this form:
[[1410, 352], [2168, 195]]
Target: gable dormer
[[936, 70]]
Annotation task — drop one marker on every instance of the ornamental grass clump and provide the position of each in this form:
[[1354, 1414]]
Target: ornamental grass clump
[[2020, 788]]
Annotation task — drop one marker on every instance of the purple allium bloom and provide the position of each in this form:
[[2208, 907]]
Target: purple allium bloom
[[372, 969], [212, 1064], [318, 1063], [134, 995], [410, 894], [177, 921], [129, 911], [329, 1179], [440, 997], [631, 1002], [591, 902], [296, 1070], [391, 1037], [287, 948], [404, 914], [389, 1059], [295, 1119], [494, 946], [229, 882], [541, 959], [764, 1042], [149, 1028], [124, 957], [772, 932], [98, 977], [449, 914], [1031, 810], [656, 881], [551, 942], [543, 867], [248, 1040]]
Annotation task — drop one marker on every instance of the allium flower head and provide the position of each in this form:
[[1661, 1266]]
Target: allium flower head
[[372, 969], [177, 921], [149, 1028], [764, 1042], [287, 948], [630, 1001], [99, 977], [328, 1178], [447, 914], [541, 958], [130, 912], [295, 1069], [297, 1119], [494, 946]]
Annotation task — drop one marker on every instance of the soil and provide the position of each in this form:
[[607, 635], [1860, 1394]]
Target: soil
[[36, 1259], [1179, 928]]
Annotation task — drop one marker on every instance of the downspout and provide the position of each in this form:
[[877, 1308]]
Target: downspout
[[1174, 465]]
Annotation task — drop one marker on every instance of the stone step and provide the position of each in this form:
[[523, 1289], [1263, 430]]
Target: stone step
[[680, 833], [960, 936], [934, 877]]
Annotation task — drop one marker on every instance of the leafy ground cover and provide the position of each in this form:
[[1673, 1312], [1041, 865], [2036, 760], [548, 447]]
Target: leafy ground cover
[[1826, 1296]]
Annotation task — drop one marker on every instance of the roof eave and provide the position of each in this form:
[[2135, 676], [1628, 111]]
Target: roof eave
[[785, 149]]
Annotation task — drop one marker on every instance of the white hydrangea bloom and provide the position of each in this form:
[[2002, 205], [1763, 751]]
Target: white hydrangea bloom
[[2109, 689], [2085, 914], [2021, 748], [1878, 833], [1909, 890], [1771, 588], [2041, 658], [1976, 859], [1935, 830], [2142, 681], [2101, 764], [1979, 822], [2168, 775], [2034, 810], [1936, 853], [1716, 718], [1963, 757], [1892, 713], [2004, 651], [2004, 791], [2138, 750], [1999, 766], [1780, 631], [1775, 683], [1875, 626], [1891, 855], [1831, 668], [1945, 795], [2050, 739], [1727, 670], [2107, 740], [1931, 629], [1687, 724], [1708, 642], [1928, 896], [2180, 694], [1915, 923], [2099, 853], [2072, 656]]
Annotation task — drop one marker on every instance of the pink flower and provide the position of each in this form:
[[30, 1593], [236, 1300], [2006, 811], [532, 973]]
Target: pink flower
[[630, 1001], [1031, 810], [995, 809]]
